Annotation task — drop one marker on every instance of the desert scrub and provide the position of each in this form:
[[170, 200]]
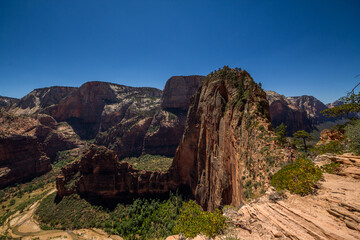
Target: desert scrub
[[150, 162], [331, 168], [299, 177], [331, 147], [193, 221]]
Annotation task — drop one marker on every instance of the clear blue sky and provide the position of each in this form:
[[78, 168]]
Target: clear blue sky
[[292, 47]]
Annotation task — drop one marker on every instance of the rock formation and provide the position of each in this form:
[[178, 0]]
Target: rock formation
[[332, 213], [21, 159], [227, 142], [40, 100], [178, 91], [97, 106], [156, 131], [297, 113], [99, 174], [6, 102]]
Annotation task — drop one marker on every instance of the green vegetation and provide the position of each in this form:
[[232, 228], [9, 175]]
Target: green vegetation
[[150, 162], [142, 219], [193, 221], [330, 147], [280, 133], [352, 132], [331, 168], [304, 136], [299, 177]]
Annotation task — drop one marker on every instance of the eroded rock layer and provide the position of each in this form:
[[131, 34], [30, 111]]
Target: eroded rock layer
[[21, 159], [100, 174]]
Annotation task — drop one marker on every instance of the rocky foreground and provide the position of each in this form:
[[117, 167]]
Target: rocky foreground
[[332, 213]]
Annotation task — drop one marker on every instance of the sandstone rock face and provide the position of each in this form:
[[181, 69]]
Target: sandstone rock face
[[282, 111], [168, 123], [328, 135], [149, 130], [100, 174], [178, 91], [99, 105], [41, 100], [332, 213], [51, 136], [297, 113], [21, 159], [227, 140]]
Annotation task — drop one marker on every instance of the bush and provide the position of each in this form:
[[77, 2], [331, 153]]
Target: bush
[[352, 132], [331, 168], [299, 177], [331, 147], [193, 221]]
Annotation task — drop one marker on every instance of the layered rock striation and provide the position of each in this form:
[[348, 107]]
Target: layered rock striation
[[99, 174], [227, 141]]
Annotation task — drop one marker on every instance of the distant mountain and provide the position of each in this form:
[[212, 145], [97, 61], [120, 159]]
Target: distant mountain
[[6, 102], [297, 113]]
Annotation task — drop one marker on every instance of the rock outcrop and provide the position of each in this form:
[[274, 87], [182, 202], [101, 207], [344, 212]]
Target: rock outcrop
[[178, 91], [21, 159], [332, 213], [99, 174], [227, 142]]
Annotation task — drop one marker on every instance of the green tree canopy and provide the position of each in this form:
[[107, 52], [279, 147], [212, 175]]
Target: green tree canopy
[[280, 133], [304, 136]]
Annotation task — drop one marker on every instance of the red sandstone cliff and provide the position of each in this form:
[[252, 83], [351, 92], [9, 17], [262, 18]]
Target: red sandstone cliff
[[21, 159], [227, 142]]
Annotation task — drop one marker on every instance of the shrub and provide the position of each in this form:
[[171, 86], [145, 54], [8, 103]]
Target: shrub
[[193, 221], [331, 168], [352, 132], [331, 147], [299, 177]]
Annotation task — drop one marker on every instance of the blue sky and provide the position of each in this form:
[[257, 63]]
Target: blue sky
[[292, 47]]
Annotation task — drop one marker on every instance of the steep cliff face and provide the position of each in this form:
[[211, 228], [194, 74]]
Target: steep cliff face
[[178, 91], [149, 130], [21, 159], [227, 151], [227, 140], [282, 111], [51, 135], [41, 100], [167, 126], [99, 174], [311, 105], [99, 105]]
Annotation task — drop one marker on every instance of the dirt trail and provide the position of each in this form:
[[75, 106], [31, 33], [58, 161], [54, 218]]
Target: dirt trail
[[24, 226], [333, 213]]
